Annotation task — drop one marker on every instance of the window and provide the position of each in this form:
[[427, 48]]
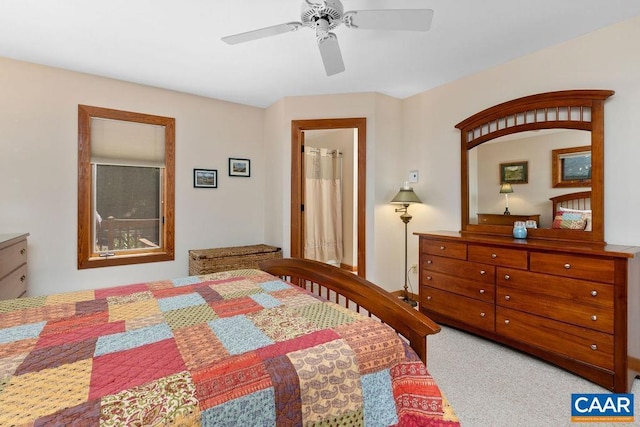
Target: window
[[125, 187]]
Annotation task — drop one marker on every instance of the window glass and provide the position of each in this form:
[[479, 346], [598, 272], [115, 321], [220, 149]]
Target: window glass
[[128, 207]]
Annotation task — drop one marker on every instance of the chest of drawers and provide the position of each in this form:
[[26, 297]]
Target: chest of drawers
[[13, 265], [565, 304]]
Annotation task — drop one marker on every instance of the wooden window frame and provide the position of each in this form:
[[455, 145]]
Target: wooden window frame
[[87, 257]]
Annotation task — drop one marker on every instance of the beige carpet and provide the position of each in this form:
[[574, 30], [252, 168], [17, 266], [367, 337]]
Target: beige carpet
[[490, 385]]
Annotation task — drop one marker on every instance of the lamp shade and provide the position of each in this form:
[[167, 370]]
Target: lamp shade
[[406, 196], [505, 188]]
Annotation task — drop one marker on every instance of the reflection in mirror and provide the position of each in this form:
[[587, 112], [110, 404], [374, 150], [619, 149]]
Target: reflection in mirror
[[528, 199], [571, 167], [576, 110]]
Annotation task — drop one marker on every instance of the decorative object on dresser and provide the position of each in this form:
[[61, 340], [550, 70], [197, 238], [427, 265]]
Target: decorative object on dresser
[[13, 265], [405, 197], [562, 295], [505, 188]]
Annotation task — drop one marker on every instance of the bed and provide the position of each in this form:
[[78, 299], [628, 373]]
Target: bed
[[240, 347], [572, 210]]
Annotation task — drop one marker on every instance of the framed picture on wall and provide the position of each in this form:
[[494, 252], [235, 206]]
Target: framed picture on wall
[[514, 173], [239, 167], [205, 178], [571, 167]]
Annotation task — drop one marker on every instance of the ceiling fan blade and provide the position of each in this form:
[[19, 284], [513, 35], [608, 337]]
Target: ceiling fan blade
[[391, 19], [261, 33], [331, 55]]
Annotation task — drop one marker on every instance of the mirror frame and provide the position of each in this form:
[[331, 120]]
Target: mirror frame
[[570, 109]]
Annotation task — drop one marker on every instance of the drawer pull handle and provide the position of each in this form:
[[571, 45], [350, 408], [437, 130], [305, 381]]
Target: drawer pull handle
[[482, 272], [594, 293], [567, 266], [442, 248], [429, 261], [494, 256], [429, 277], [594, 317], [594, 347], [429, 298], [23, 251], [482, 291], [507, 277], [23, 278], [506, 322], [507, 297], [482, 314]]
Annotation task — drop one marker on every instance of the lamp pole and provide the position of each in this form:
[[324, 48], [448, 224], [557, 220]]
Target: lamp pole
[[405, 217]]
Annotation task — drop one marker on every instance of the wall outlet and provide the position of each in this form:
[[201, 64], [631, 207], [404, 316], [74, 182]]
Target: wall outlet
[[414, 268], [413, 176]]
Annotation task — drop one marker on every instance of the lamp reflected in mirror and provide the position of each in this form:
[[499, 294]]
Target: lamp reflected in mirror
[[505, 188]]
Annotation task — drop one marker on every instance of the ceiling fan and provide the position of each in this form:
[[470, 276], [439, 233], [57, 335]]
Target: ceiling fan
[[326, 15]]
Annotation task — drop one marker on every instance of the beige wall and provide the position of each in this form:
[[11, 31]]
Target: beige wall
[[38, 172]]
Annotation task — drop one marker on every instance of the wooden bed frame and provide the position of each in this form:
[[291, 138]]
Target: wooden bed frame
[[580, 200], [358, 294]]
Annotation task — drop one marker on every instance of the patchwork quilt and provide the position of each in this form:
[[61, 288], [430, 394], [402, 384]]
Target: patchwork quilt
[[239, 348]]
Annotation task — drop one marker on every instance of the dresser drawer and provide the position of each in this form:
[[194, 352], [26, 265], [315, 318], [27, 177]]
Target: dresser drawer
[[585, 345], [460, 286], [444, 248], [498, 256], [467, 310], [469, 270], [573, 290], [12, 257], [14, 284], [585, 315], [579, 267]]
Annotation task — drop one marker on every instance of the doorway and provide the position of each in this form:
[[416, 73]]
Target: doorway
[[304, 128]]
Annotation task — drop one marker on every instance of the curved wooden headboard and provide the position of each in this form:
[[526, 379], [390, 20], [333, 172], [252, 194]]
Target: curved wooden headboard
[[579, 200]]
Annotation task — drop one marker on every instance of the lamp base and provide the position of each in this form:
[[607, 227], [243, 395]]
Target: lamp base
[[506, 211], [409, 301]]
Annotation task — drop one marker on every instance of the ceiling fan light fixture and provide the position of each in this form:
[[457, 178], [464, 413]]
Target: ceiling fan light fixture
[[329, 14]]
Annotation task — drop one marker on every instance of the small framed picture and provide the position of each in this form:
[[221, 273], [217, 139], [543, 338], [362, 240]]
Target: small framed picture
[[514, 173], [205, 178], [239, 167]]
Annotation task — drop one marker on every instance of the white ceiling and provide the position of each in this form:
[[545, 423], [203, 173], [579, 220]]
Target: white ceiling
[[176, 44]]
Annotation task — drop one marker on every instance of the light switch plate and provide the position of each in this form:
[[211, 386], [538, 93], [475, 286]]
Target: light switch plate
[[413, 176]]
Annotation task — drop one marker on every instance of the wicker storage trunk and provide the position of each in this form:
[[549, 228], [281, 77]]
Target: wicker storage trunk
[[205, 261]]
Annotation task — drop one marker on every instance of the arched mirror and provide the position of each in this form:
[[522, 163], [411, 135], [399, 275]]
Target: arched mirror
[[538, 159]]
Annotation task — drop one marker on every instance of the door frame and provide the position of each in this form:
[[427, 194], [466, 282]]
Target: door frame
[[297, 174]]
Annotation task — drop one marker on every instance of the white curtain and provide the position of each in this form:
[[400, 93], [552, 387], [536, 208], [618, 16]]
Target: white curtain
[[323, 205]]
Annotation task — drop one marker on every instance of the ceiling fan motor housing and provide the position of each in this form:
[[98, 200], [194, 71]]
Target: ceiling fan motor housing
[[328, 10]]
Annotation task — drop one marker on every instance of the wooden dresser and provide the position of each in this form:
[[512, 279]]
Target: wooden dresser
[[500, 219], [566, 303], [13, 265]]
